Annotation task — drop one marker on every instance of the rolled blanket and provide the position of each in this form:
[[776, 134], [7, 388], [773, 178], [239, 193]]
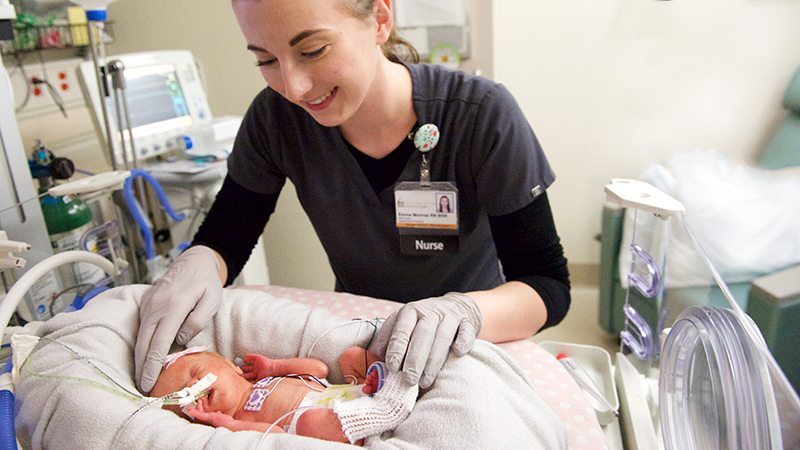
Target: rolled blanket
[[482, 400]]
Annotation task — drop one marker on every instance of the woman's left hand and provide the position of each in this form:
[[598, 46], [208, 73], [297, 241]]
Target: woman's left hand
[[421, 334]]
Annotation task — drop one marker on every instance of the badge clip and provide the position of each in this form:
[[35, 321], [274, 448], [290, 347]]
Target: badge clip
[[425, 139]]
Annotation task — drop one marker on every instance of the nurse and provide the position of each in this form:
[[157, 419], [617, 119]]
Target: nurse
[[369, 142]]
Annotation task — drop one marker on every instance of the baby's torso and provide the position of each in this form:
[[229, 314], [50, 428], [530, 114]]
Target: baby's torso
[[274, 397]]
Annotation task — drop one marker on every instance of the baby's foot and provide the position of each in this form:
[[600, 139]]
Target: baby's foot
[[371, 383], [376, 375]]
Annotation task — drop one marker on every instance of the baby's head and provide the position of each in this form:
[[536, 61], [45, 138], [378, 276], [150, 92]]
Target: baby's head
[[226, 393]]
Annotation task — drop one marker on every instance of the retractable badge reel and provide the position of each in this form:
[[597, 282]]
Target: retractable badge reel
[[427, 211]]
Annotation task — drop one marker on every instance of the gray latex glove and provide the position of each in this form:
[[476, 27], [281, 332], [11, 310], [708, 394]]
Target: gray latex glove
[[420, 336], [176, 308]]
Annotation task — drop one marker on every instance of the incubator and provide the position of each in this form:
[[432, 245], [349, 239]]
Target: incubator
[[696, 376]]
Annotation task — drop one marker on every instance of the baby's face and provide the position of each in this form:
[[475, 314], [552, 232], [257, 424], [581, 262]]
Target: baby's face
[[226, 393]]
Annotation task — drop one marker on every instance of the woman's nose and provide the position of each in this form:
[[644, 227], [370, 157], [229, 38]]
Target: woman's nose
[[296, 81]]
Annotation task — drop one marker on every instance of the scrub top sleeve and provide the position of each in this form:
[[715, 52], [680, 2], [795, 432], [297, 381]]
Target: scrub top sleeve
[[252, 163], [510, 166]]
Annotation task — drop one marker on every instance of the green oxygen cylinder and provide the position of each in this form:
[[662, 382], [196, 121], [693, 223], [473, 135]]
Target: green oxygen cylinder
[[66, 220]]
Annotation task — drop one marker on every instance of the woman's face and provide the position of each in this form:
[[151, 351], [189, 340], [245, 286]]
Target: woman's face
[[190, 369], [314, 53], [445, 202]]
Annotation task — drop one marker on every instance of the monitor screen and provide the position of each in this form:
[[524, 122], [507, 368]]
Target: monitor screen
[[156, 102]]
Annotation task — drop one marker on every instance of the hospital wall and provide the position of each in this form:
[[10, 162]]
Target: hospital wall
[[609, 86], [613, 85]]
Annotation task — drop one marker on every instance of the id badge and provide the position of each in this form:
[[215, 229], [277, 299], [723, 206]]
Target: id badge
[[427, 217]]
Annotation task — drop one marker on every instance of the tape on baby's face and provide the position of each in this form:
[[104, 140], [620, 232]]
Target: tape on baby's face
[[188, 396], [170, 359]]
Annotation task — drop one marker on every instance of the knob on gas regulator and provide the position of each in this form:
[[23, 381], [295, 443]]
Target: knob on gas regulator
[[46, 167]]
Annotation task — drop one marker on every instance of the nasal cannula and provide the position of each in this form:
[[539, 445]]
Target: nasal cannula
[[583, 379]]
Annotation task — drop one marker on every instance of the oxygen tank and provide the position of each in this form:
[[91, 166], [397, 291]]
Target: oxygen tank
[[66, 220]]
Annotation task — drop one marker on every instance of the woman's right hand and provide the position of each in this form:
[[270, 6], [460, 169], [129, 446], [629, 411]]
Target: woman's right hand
[[176, 308]]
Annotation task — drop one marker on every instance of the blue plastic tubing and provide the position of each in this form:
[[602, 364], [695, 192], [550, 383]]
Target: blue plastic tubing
[[8, 437], [130, 199]]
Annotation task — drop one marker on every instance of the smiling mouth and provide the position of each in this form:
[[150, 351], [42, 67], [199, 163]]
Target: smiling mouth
[[321, 99]]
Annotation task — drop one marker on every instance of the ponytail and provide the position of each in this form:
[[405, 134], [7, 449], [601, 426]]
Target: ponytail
[[396, 49]]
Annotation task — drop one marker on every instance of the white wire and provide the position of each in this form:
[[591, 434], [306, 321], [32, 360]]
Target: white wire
[[309, 386], [361, 327], [266, 433], [130, 418]]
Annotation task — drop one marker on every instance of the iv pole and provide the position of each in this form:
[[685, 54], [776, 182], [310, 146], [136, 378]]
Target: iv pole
[[105, 88]]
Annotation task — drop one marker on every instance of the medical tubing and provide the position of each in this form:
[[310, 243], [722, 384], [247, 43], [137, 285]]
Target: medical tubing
[[130, 199], [361, 325], [312, 377], [151, 402], [749, 326], [8, 437], [126, 393], [24, 284], [121, 392], [302, 408], [83, 244], [7, 431]]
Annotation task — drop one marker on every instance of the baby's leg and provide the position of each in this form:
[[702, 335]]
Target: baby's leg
[[354, 363], [322, 423]]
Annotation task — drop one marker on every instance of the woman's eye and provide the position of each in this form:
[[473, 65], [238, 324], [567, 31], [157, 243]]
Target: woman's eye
[[268, 62], [315, 53]]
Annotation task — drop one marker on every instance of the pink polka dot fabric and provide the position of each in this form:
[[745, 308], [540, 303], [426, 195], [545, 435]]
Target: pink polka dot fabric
[[552, 382]]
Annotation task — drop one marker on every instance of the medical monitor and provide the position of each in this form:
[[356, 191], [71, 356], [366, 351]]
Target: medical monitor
[[164, 96]]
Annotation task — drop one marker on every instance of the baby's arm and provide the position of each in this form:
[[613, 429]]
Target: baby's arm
[[220, 419], [257, 367], [354, 363]]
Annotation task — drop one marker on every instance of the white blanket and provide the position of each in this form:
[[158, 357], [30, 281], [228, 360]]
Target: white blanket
[[482, 400]]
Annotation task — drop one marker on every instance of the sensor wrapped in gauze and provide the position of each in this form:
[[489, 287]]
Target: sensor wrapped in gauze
[[384, 411]]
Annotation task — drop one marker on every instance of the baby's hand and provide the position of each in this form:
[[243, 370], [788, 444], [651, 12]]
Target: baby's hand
[[371, 383], [213, 418], [256, 367]]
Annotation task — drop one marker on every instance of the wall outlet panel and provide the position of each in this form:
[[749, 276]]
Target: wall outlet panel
[[62, 76]]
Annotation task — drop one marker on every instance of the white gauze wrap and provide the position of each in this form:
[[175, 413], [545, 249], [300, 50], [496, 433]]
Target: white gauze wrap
[[388, 408]]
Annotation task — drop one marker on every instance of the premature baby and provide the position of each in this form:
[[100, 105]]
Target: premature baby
[[266, 392]]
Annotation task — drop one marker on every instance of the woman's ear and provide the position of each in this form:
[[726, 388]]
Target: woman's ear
[[385, 20]]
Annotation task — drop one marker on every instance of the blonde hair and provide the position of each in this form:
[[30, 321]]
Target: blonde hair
[[395, 48]]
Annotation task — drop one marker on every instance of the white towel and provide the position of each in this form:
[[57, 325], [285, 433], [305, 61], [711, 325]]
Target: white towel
[[481, 400]]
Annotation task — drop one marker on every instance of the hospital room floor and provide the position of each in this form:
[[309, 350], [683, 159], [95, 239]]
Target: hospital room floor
[[581, 326]]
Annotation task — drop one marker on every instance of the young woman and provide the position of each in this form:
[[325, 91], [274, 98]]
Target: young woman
[[444, 205], [347, 122]]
